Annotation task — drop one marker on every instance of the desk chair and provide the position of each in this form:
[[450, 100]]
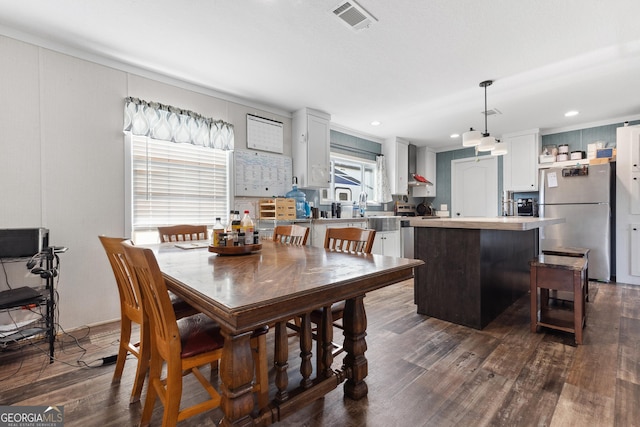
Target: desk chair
[[349, 239], [180, 233], [131, 310], [184, 345], [291, 234]]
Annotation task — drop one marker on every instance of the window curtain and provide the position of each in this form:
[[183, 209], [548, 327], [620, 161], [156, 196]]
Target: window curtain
[[167, 123], [382, 190]]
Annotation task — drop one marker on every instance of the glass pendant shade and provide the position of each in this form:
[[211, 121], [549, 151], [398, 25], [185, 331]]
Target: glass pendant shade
[[487, 143], [471, 138], [500, 149]]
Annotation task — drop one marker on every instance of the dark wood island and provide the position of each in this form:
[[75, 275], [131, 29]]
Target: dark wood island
[[474, 268]]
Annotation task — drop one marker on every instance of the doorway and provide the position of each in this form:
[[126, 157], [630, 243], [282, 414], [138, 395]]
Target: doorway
[[474, 187]]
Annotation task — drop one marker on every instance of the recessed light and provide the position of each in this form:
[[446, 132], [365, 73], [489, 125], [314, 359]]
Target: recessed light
[[375, 123], [455, 135], [571, 113]]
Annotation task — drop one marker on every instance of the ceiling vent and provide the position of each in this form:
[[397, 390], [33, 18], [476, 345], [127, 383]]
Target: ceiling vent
[[492, 112], [353, 15]]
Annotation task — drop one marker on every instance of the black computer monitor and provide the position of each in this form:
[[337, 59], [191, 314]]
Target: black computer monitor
[[22, 242]]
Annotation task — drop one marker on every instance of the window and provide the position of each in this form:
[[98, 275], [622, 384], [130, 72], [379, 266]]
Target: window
[[173, 183], [351, 176]]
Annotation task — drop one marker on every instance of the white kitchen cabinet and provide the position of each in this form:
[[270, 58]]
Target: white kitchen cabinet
[[520, 164], [635, 249], [635, 152], [386, 243], [396, 152], [311, 150], [425, 166], [634, 197]]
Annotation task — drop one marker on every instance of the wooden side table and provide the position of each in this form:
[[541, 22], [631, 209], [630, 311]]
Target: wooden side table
[[573, 252], [558, 273]]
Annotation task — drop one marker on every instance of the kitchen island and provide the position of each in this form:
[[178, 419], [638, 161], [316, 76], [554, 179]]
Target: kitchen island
[[474, 268]]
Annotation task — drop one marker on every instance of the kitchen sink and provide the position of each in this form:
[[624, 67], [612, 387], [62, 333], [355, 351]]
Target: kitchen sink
[[384, 223]]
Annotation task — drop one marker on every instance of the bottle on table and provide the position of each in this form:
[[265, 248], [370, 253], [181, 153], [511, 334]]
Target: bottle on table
[[247, 227], [218, 229]]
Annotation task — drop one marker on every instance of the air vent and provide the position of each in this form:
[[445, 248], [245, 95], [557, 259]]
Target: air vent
[[353, 15], [492, 112]]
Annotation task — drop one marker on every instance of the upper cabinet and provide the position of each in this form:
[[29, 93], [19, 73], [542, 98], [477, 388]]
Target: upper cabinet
[[396, 152], [520, 164], [425, 166], [311, 149]]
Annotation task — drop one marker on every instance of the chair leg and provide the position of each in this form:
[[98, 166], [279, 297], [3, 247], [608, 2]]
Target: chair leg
[[125, 337], [143, 364], [173, 395], [155, 370]]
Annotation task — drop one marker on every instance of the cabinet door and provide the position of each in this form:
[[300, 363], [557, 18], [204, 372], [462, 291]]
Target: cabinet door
[[520, 171], [635, 150], [387, 243], [634, 197], [635, 249], [318, 154], [402, 171]]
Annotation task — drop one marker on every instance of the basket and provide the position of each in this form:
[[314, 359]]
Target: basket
[[280, 208]]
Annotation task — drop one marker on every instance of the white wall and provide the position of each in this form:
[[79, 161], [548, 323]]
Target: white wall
[[62, 161]]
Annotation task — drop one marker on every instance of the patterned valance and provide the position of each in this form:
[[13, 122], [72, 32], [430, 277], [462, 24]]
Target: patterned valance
[[164, 122]]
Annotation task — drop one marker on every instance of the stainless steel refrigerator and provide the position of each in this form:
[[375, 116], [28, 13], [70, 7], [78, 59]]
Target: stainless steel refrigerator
[[585, 197]]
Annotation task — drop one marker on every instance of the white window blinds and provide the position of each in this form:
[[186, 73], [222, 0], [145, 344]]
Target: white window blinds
[[176, 183]]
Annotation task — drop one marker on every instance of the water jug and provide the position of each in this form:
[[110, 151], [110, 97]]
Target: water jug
[[299, 197]]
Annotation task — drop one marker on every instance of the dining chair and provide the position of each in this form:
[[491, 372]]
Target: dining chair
[[291, 234], [353, 240], [131, 311], [184, 345], [180, 233]]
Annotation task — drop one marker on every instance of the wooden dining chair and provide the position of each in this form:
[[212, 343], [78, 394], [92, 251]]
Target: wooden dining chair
[[180, 233], [348, 239], [131, 311], [291, 234], [184, 345]]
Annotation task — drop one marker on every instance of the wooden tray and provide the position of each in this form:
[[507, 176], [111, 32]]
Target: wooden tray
[[235, 250]]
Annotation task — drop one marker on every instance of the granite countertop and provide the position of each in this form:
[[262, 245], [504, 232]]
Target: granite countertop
[[514, 223], [337, 220]]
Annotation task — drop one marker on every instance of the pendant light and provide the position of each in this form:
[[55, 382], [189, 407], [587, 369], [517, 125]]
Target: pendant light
[[483, 141], [487, 143]]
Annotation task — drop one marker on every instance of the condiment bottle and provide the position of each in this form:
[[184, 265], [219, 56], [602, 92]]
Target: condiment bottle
[[218, 229], [246, 226]]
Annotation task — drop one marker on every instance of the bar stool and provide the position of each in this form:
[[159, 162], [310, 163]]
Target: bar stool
[[558, 273], [573, 252]]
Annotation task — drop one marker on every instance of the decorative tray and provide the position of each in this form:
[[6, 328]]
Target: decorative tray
[[235, 250]]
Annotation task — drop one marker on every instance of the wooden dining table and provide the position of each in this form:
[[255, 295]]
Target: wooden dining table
[[269, 288]]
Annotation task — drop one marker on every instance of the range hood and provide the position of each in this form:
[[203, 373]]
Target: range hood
[[413, 173]]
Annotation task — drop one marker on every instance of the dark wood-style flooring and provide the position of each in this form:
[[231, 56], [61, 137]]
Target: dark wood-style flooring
[[422, 371]]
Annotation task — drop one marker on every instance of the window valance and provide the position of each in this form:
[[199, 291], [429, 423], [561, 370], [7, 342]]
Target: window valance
[[167, 123]]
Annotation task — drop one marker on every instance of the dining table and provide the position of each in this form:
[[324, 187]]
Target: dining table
[[269, 287]]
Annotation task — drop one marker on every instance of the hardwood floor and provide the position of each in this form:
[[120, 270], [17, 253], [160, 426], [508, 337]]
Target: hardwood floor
[[422, 371]]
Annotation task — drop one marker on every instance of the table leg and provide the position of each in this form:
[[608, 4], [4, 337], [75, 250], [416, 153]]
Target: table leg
[[355, 326], [280, 362], [236, 373]]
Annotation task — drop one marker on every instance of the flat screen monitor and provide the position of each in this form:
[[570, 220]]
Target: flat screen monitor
[[22, 242]]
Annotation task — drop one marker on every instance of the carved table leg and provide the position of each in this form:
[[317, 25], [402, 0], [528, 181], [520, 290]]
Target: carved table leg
[[281, 357], [355, 326], [236, 373], [305, 351]]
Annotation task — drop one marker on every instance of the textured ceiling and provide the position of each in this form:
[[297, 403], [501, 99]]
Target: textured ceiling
[[416, 70]]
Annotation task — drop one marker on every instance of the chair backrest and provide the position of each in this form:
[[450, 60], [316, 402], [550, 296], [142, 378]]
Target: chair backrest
[[130, 294], [291, 234], [349, 239], [157, 303], [179, 233]]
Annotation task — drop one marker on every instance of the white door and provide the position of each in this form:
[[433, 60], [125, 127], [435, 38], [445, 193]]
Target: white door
[[474, 187]]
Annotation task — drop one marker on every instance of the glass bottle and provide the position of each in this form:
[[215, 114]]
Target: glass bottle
[[218, 229]]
